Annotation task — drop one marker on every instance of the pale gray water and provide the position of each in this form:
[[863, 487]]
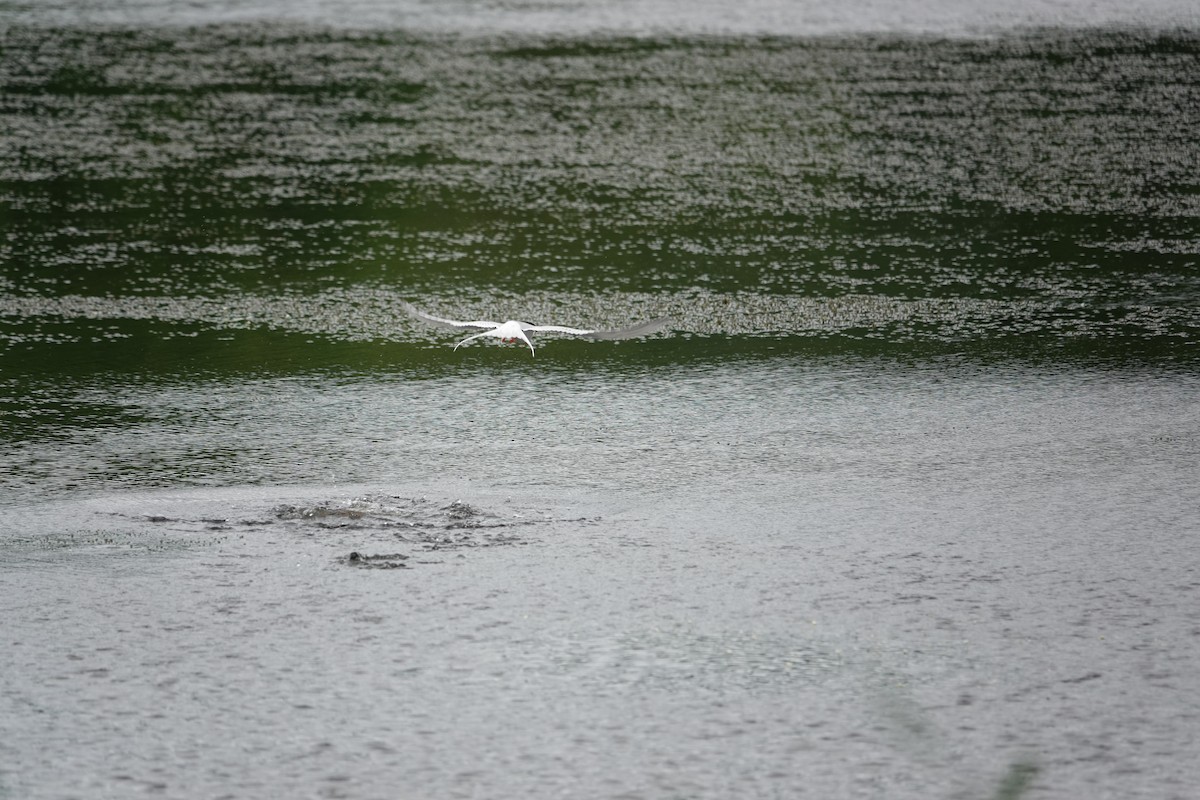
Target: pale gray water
[[902, 504], [584, 17], [838, 580]]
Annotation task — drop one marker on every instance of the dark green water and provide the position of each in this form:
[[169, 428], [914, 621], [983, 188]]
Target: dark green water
[[1031, 196], [901, 504]]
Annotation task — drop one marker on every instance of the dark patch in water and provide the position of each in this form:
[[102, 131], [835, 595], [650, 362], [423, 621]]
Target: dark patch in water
[[459, 510], [1017, 781], [425, 524], [319, 512], [377, 561], [1091, 676]]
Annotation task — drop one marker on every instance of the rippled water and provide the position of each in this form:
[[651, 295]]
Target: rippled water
[[900, 504]]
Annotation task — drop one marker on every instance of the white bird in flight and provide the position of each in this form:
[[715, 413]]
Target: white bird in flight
[[515, 331]]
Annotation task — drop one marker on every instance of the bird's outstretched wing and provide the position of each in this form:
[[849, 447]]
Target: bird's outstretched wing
[[621, 333], [644, 329], [525, 326], [453, 323]]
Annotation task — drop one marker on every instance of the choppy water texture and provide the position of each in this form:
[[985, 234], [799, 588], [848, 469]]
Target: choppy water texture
[[902, 504]]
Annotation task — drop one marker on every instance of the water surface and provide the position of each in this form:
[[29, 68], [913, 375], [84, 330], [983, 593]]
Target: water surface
[[900, 504]]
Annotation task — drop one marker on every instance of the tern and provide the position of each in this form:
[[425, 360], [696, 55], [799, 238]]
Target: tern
[[516, 331]]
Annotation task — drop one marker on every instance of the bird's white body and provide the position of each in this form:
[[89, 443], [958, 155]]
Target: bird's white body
[[515, 331]]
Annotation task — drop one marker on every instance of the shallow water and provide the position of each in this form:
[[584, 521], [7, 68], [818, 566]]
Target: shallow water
[[901, 504]]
